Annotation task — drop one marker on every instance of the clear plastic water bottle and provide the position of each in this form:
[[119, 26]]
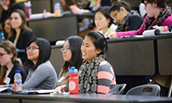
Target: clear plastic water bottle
[[17, 81], [57, 9], [73, 81], [2, 38]]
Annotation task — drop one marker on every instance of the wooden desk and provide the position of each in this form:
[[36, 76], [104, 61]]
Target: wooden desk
[[82, 98]]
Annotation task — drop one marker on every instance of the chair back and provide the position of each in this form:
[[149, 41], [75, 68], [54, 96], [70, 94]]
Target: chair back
[[145, 90], [117, 89]]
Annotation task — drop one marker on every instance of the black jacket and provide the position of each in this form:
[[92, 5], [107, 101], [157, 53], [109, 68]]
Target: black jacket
[[6, 14], [12, 73], [23, 40]]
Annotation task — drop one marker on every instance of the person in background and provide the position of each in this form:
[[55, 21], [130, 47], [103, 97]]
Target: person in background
[[94, 5], [6, 7], [142, 10], [72, 6], [41, 73], [7, 29], [9, 64], [127, 21], [125, 18], [157, 14], [103, 21], [68, 6], [72, 56], [22, 34], [78, 6], [113, 2], [97, 75]]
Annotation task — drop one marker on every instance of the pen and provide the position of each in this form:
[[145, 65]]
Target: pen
[[44, 11]]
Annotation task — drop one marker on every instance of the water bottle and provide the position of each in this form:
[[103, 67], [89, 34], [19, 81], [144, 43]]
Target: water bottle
[[17, 81], [57, 9], [73, 81], [2, 38], [28, 10]]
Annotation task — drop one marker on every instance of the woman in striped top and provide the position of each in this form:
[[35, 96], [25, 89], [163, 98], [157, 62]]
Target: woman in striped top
[[97, 75]]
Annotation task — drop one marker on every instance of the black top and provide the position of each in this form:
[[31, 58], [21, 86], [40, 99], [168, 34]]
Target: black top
[[5, 14], [23, 40], [105, 3], [12, 73], [133, 22]]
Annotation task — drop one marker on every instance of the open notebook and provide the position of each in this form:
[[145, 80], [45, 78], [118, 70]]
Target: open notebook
[[53, 91], [6, 89]]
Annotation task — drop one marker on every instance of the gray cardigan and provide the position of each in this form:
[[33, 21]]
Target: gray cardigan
[[43, 77]]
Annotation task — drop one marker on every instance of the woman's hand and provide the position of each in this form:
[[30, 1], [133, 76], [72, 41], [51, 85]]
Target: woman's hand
[[163, 29], [48, 14], [1, 86], [77, 10], [62, 90], [112, 35]]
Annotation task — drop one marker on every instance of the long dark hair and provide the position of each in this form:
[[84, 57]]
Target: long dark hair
[[118, 5], [44, 52], [99, 41], [12, 3], [75, 43], [105, 11]]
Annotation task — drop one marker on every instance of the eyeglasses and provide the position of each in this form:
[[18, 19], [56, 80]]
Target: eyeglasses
[[3, 54], [62, 49], [114, 16], [31, 48]]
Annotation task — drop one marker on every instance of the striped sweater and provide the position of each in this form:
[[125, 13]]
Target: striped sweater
[[106, 78]]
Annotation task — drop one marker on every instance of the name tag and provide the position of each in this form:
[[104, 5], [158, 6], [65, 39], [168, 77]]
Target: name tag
[[61, 79], [7, 80]]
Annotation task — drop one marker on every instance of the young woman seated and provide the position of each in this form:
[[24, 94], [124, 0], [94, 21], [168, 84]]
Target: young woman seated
[[72, 56], [97, 75], [41, 73]]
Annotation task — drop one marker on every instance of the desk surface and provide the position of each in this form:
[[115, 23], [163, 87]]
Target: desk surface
[[133, 38], [55, 28], [88, 98]]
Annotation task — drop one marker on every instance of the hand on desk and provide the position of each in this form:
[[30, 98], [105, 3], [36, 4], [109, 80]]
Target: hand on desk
[[48, 14], [111, 35], [77, 10], [59, 90], [164, 29], [1, 86]]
